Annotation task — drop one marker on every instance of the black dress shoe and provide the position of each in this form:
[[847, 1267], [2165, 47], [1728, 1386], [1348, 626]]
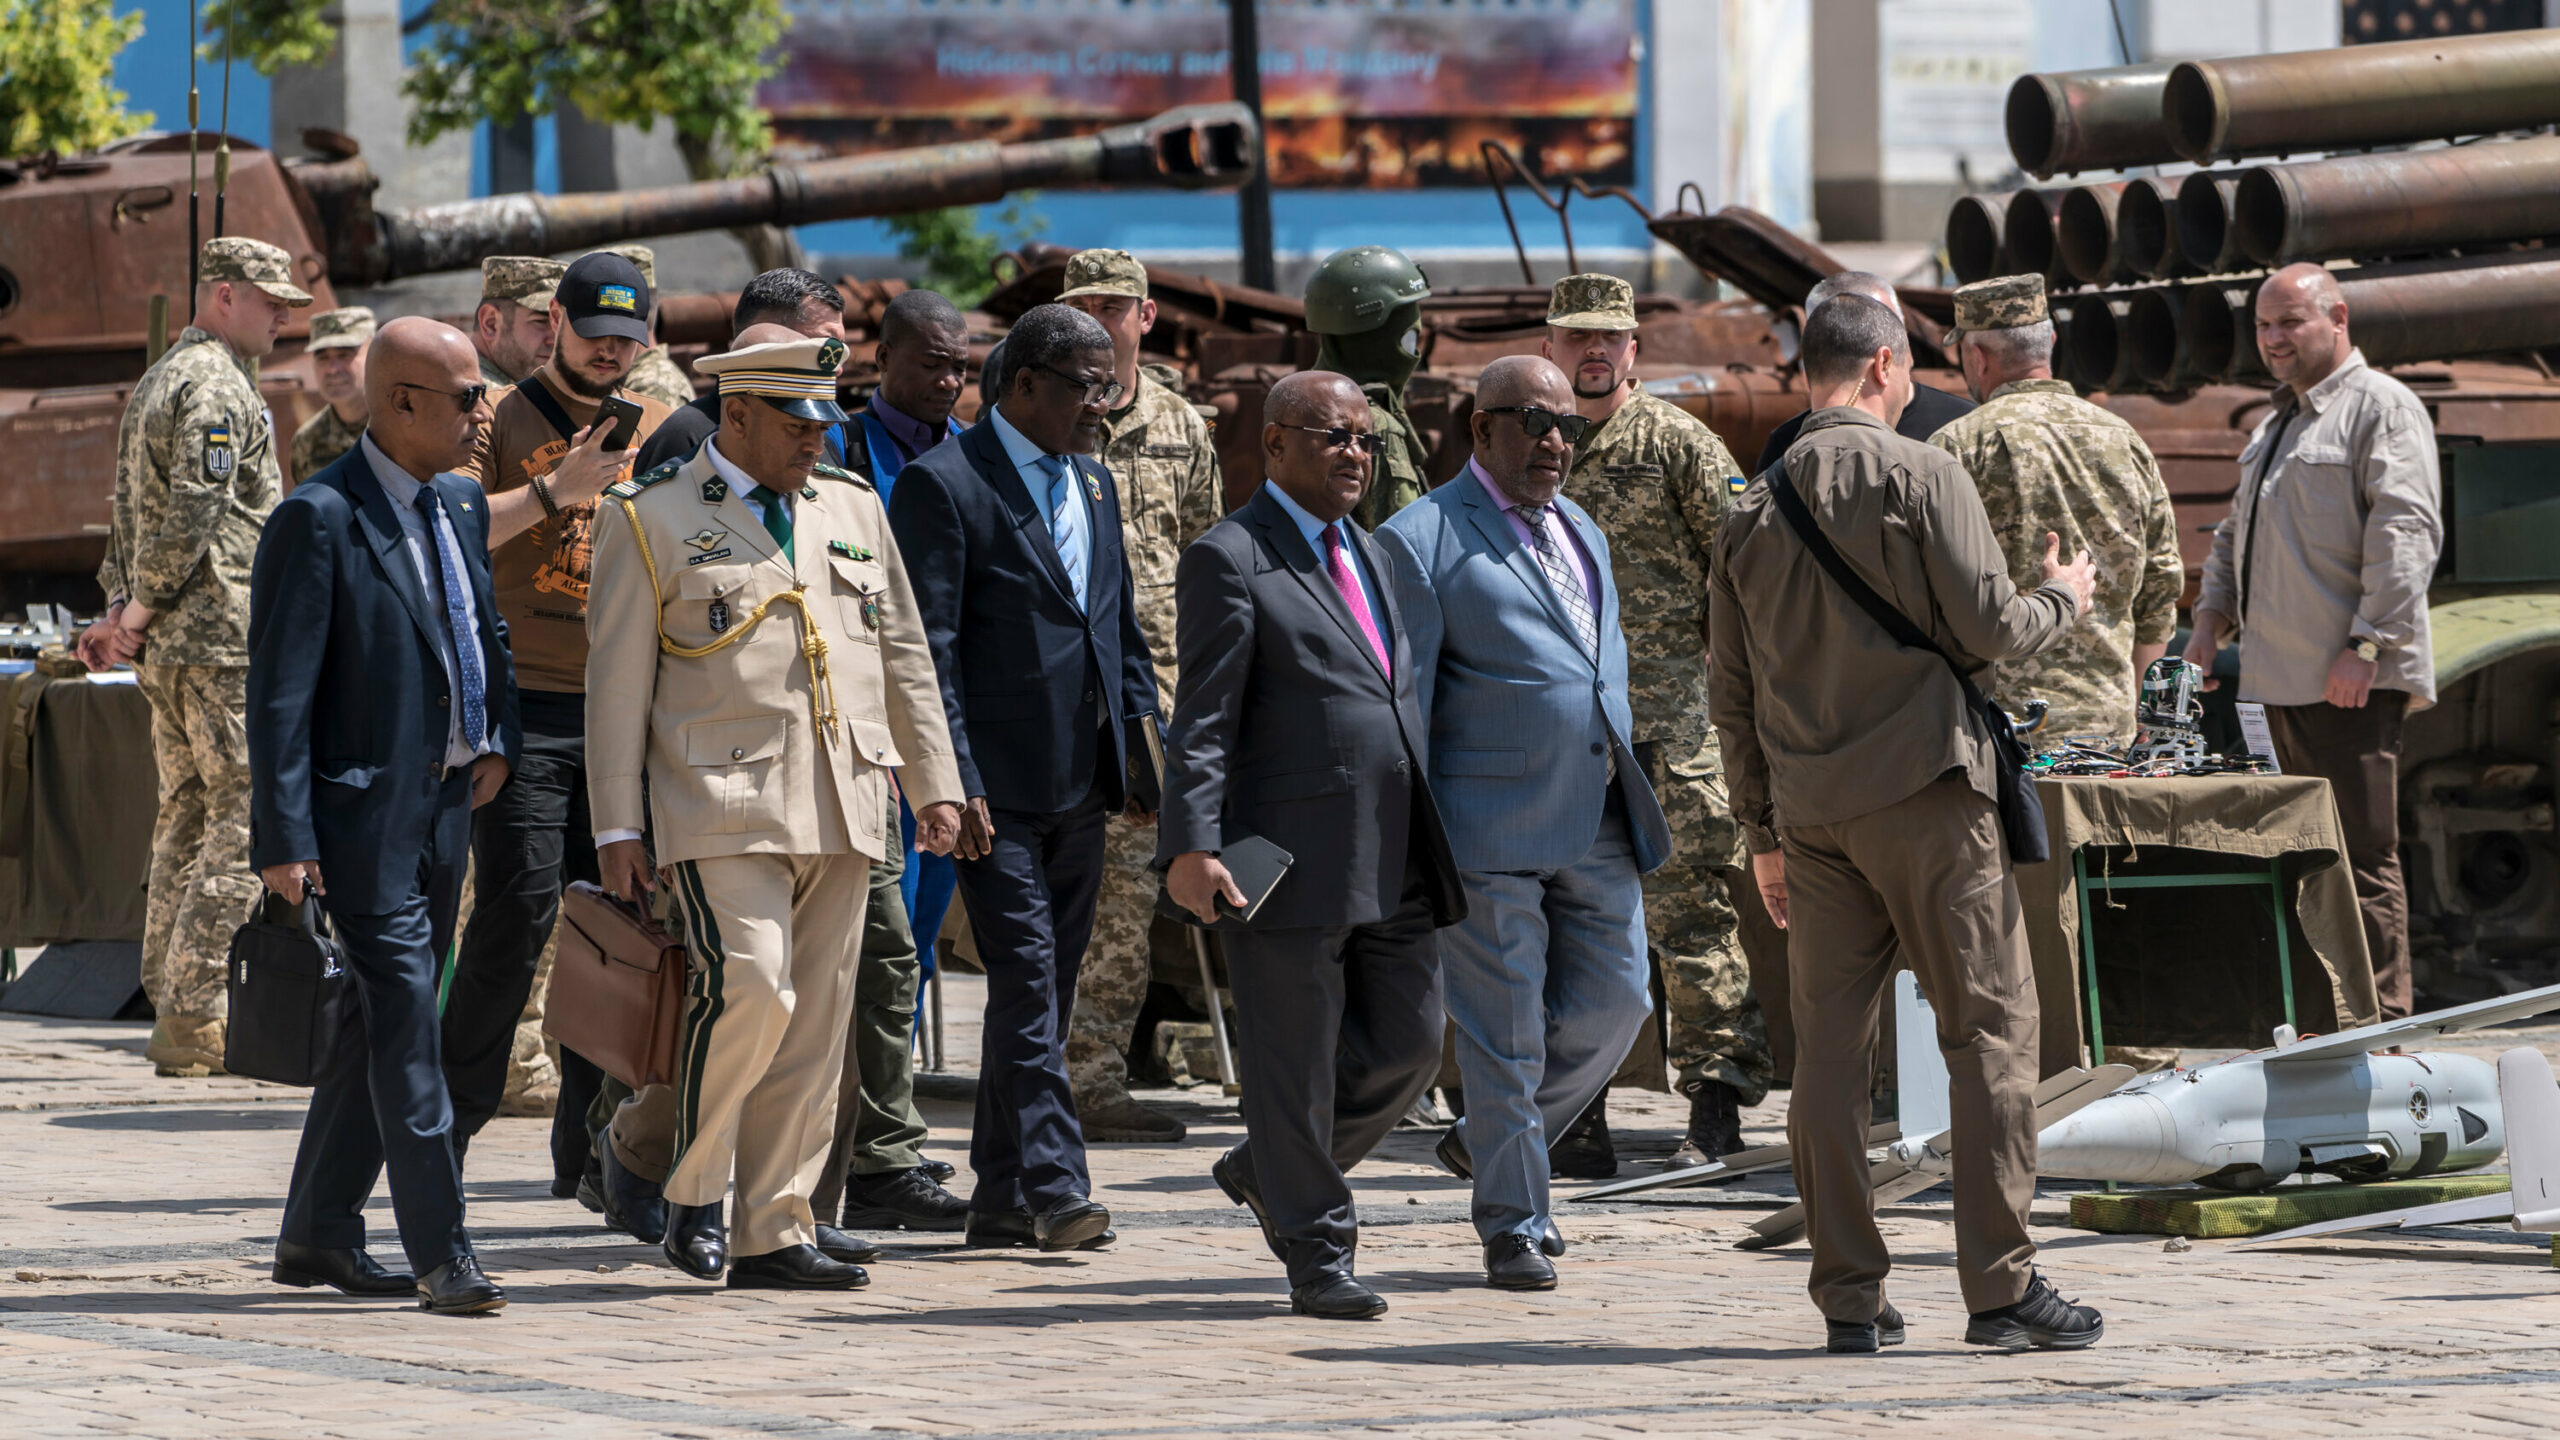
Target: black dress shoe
[[940, 1171], [845, 1249], [1013, 1229], [1336, 1296], [1513, 1261], [1244, 1190], [902, 1200], [1069, 1223], [1452, 1154], [631, 1205], [457, 1287], [349, 1272], [795, 1267], [1584, 1151], [697, 1240], [1864, 1337]]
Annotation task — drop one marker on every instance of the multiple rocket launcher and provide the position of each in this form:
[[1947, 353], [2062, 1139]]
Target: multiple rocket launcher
[[2448, 242]]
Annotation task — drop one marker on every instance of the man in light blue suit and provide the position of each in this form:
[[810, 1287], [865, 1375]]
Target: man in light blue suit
[[1513, 622]]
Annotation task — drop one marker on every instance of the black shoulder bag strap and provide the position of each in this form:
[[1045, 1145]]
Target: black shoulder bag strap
[[2021, 813]]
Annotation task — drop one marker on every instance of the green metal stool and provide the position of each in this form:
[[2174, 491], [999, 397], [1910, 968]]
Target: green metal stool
[[2272, 878]]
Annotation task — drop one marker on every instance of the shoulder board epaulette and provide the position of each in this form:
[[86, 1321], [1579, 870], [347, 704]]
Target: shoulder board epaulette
[[825, 471], [637, 483]]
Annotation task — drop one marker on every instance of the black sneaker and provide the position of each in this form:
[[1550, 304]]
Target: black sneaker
[[1865, 1337], [1584, 1151], [901, 1200], [2043, 1319]]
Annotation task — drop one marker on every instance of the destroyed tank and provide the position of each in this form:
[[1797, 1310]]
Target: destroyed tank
[[89, 246]]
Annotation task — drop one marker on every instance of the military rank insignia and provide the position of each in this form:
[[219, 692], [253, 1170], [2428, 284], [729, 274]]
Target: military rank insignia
[[808, 492], [719, 616], [218, 457], [714, 490]]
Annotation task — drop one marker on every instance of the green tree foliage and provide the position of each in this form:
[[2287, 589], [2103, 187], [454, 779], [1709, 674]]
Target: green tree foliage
[[269, 34], [958, 257], [57, 68]]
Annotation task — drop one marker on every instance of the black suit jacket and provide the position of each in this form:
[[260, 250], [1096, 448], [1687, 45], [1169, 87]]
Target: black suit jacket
[[1284, 727], [1033, 686], [1926, 415], [348, 700]]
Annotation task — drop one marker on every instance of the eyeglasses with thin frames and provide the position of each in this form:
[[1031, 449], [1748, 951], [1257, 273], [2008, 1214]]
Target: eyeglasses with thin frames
[[1535, 422], [1339, 436], [1105, 392], [469, 395]]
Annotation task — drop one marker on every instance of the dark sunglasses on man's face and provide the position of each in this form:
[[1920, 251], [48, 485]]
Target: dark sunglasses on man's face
[[468, 397], [1338, 437], [1535, 422]]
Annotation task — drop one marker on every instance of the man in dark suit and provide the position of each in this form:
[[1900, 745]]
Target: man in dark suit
[[1299, 720], [1011, 534], [382, 709]]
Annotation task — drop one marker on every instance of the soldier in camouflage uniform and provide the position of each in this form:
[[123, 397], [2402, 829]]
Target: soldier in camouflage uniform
[[1366, 304], [511, 328], [338, 338], [1160, 452], [653, 374], [2047, 461], [195, 477], [1657, 481]]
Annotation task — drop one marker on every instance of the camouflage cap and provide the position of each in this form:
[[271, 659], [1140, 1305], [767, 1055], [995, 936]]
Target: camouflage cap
[[640, 255], [237, 257], [345, 329], [2003, 302], [1592, 302], [1105, 272], [526, 280]]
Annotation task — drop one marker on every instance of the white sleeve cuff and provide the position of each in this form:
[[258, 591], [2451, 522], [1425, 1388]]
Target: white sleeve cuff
[[608, 837]]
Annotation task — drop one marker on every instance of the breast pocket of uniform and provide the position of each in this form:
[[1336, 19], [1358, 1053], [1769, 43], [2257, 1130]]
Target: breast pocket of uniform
[[738, 764], [1628, 498], [708, 604], [861, 587]]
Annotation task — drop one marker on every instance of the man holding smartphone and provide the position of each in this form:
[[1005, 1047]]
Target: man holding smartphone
[[555, 442]]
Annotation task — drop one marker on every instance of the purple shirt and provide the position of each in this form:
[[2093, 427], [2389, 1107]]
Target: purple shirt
[[1558, 531], [912, 435]]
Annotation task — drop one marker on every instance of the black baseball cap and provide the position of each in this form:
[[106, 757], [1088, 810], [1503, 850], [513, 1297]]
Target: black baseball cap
[[603, 294]]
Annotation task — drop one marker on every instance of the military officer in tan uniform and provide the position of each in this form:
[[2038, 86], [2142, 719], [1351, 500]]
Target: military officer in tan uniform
[[1658, 481], [2047, 461], [511, 327], [338, 338], [195, 477], [1161, 453], [654, 374], [756, 654]]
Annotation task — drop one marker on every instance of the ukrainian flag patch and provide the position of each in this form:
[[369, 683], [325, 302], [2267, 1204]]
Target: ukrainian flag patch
[[1736, 484], [618, 297]]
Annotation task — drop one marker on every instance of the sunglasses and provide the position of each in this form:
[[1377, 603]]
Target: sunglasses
[[469, 396], [1535, 422], [1338, 437]]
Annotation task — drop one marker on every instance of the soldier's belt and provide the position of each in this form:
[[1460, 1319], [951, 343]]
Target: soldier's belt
[[822, 687]]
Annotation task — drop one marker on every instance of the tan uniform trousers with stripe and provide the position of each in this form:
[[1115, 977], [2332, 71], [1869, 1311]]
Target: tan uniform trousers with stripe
[[773, 940], [1924, 882]]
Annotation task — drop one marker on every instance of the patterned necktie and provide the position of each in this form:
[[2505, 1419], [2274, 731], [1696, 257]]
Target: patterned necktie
[[1338, 565], [777, 520], [1563, 577], [446, 561], [1063, 529]]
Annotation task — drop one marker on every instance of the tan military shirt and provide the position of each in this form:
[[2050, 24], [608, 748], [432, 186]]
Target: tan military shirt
[[735, 757], [657, 377], [1657, 480], [2047, 461], [1823, 716], [1161, 456], [195, 477], [321, 440]]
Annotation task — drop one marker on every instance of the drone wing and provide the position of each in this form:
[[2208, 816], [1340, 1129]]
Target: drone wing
[[2417, 1027]]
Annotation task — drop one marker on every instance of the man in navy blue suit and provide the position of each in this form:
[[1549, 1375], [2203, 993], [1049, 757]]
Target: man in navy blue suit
[[382, 709], [1011, 534]]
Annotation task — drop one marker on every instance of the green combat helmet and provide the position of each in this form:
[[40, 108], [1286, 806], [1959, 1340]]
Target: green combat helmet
[[1366, 305]]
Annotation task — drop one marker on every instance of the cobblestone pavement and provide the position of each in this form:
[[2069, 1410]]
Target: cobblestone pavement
[[136, 1216]]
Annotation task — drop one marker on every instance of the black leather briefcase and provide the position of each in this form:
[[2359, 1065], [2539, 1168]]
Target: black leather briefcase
[[290, 993]]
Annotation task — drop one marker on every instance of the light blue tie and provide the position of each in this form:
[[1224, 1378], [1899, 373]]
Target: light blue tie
[[1066, 522]]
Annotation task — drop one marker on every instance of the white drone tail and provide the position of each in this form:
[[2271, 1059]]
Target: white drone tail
[[2531, 1098]]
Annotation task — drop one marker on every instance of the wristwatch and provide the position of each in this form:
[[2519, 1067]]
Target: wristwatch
[[2367, 651]]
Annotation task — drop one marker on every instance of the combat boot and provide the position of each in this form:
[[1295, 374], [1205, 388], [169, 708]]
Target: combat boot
[[1584, 1150], [1715, 1125], [1116, 1118], [185, 1046]]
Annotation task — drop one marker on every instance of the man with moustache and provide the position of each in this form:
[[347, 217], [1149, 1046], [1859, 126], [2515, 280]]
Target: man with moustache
[[337, 344], [511, 327]]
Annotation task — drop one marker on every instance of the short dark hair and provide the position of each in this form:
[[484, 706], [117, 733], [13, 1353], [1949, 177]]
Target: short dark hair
[[1049, 336], [1843, 332], [779, 296], [991, 375], [914, 312]]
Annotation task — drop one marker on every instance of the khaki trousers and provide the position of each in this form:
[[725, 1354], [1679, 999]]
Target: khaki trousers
[[772, 939], [1925, 883]]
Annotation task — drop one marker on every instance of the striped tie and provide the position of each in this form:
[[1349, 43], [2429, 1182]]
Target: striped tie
[[1563, 577]]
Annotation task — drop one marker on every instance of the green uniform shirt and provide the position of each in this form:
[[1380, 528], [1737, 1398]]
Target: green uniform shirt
[[1396, 480]]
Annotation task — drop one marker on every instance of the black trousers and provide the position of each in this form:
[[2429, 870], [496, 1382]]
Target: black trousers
[[526, 846], [1030, 905], [382, 1103], [1341, 1032]]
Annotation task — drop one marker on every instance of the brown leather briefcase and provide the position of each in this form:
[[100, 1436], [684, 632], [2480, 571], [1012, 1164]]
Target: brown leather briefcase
[[617, 988]]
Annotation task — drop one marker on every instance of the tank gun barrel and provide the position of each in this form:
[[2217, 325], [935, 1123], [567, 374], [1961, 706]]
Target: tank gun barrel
[[2088, 120], [1191, 147], [2400, 203]]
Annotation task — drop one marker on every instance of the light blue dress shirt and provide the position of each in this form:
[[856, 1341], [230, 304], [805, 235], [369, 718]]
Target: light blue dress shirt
[[1313, 529], [1074, 519], [403, 489]]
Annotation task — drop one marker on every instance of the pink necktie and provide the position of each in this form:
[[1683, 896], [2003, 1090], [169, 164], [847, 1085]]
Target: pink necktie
[[1338, 565]]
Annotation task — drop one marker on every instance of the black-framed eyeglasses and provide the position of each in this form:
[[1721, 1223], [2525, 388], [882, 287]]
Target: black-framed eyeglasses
[[1102, 392], [1339, 436], [1536, 422], [469, 395]]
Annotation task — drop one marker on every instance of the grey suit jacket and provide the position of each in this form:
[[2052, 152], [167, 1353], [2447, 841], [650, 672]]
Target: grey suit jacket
[[1285, 727], [1524, 721]]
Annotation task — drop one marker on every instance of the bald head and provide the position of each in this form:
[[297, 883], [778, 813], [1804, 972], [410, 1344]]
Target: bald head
[[1302, 392], [2302, 326], [1300, 417], [1523, 380], [1524, 409], [420, 379]]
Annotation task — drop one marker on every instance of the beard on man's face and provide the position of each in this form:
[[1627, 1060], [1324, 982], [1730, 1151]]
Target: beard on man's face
[[581, 380], [1587, 389]]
